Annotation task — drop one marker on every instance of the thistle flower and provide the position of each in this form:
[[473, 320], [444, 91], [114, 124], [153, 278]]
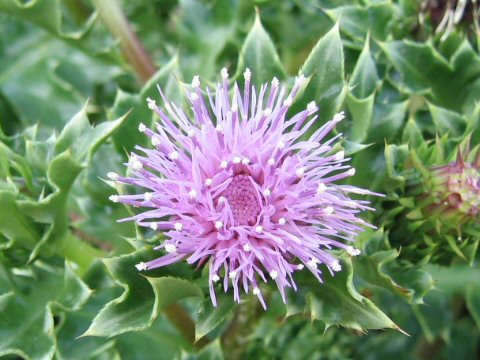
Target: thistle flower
[[235, 186]]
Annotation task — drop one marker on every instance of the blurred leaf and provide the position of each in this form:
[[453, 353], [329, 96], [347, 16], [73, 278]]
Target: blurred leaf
[[260, 56], [128, 135], [49, 14], [324, 66], [210, 317], [357, 21], [427, 315], [27, 326], [472, 300]]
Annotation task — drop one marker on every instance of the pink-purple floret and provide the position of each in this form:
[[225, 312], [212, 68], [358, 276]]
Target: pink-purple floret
[[238, 187]]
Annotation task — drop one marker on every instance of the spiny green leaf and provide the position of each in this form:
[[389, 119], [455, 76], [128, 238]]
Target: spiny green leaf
[[139, 305], [364, 79], [26, 326], [361, 111], [337, 302], [134, 309], [422, 70], [387, 121], [325, 67], [371, 268], [82, 139], [169, 290], [260, 56], [447, 121]]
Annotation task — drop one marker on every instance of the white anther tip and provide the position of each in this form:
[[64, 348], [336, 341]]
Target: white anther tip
[[218, 225], [152, 104], [112, 176], [196, 81], [113, 198], [282, 221], [224, 73], [321, 188], [259, 229], [273, 274], [141, 266], [300, 171], [142, 127], [312, 106], [178, 226], [247, 248], [328, 210], [336, 266], [288, 101], [352, 251], [174, 155], [247, 74], [339, 155], [155, 140], [170, 248]]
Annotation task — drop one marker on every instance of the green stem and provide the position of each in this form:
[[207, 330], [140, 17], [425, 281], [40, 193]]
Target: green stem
[[78, 251], [117, 23], [177, 315]]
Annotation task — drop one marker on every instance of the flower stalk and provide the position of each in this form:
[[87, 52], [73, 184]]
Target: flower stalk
[[135, 53]]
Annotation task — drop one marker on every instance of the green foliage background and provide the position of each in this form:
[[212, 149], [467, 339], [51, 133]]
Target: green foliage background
[[72, 94]]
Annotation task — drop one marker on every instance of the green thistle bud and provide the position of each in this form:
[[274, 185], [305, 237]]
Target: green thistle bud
[[453, 193], [441, 212]]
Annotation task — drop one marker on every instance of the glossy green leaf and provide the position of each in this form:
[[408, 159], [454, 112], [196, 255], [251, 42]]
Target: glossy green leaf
[[423, 70], [361, 112], [364, 79], [139, 305], [371, 268], [260, 56], [325, 68], [447, 121], [337, 302]]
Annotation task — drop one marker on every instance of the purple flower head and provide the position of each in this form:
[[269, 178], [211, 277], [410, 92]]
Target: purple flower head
[[236, 186]]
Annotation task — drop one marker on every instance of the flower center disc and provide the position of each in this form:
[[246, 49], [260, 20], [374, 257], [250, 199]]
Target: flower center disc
[[242, 197]]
